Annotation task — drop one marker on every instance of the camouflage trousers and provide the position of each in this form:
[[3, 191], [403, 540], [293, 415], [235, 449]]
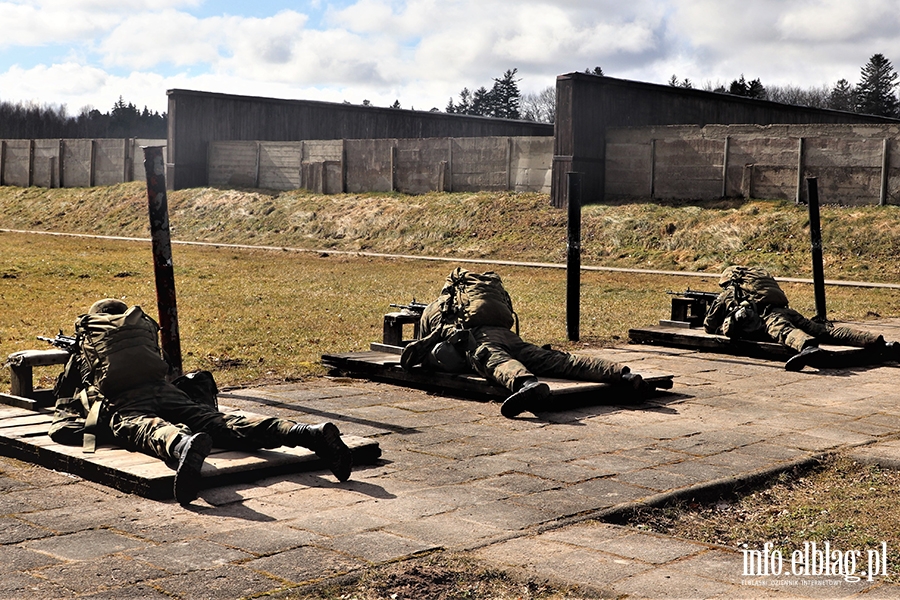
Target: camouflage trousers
[[789, 327], [150, 418], [500, 355]]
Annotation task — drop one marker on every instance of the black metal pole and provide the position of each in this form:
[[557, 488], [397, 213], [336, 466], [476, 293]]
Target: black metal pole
[[815, 234], [573, 258], [162, 256]]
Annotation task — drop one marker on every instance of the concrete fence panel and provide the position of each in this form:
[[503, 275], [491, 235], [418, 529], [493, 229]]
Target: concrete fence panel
[[45, 168], [688, 168], [369, 165], [233, 164], [279, 165], [478, 164], [418, 165], [77, 161], [760, 167], [110, 160], [531, 164], [629, 169], [849, 169], [17, 162]]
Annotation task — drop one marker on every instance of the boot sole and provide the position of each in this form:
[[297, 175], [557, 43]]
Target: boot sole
[[187, 477], [341, 460]]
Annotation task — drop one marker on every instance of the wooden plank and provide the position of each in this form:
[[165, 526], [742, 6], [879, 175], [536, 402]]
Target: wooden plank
[[385, 366], [698, 339], [18, 401], [23, 436]]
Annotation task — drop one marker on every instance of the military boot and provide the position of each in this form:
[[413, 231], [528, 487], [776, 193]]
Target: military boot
[[325, 440], [808, 356], [190, 451], [529, 397]]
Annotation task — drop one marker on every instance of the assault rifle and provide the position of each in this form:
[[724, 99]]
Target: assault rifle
[[63, 342], [413, 307], [696, 295]]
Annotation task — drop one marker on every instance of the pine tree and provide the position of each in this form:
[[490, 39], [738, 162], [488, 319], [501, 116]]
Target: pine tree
[[875, 92], [505, 96], [841, 96]]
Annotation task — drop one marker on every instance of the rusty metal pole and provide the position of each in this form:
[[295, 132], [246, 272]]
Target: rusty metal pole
[[162, 256], [815, 234], [573, 260]]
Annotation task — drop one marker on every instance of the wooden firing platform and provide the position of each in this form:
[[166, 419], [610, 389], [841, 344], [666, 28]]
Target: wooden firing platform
[[383, 364], [695, 338], [23, 435]]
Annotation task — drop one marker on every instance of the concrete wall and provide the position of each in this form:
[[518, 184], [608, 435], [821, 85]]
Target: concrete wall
[[72, 162], [412, 166], [197, 119], [588, 106], [854, 164]]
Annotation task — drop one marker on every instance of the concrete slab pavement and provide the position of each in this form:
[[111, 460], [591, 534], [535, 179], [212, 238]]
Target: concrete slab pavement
[[522, 494]]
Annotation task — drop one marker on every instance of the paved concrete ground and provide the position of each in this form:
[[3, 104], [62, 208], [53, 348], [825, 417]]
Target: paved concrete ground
[[456, 475]]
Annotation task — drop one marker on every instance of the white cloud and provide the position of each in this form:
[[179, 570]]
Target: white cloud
[[422, 52]]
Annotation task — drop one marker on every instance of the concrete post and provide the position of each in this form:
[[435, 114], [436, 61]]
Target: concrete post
[[162, 256], [61, 163], [799, 198], [652, 168], [885, 171], [256, 168], [725, 167], [31, 163]]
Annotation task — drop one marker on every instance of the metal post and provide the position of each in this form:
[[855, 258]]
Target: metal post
[[885, 171], [815, 234], [573, 260], [162, 256]]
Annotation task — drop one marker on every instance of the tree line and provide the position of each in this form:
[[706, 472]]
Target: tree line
[[874, 94], [33, 121]]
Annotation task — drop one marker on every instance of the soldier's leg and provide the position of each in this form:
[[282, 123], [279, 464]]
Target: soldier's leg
[[242, 432], [848, 336], [786, 326], [494, 356], [554, 363], [142, 431]]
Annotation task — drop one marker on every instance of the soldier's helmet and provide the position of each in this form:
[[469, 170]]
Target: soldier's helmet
[[108, 306]]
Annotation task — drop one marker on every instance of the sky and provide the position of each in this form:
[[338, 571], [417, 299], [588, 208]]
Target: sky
[[422, 53]]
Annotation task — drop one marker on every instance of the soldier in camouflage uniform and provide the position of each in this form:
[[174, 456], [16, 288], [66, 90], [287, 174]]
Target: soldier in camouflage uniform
[[498, 354], [177, 422], [753, 306]]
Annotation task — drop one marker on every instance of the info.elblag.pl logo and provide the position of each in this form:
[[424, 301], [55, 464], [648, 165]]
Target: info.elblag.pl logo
[[817, 560]]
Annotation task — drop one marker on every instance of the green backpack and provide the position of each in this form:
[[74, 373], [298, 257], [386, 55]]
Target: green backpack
[[476, 299], [121, 351], [754, 284]]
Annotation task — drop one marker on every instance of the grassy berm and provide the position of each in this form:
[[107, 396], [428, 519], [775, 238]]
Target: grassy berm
[[254, 316]]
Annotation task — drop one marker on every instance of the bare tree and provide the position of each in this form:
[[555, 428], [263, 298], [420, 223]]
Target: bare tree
[[815, 97], [540, 106]]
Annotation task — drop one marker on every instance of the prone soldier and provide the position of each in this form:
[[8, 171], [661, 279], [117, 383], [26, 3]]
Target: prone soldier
[[115, 388], [469, 326], [753, 306]]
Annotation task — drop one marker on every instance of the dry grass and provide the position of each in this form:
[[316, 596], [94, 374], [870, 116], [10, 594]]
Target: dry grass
[[255, 316], [852, 506], [443, 577]]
